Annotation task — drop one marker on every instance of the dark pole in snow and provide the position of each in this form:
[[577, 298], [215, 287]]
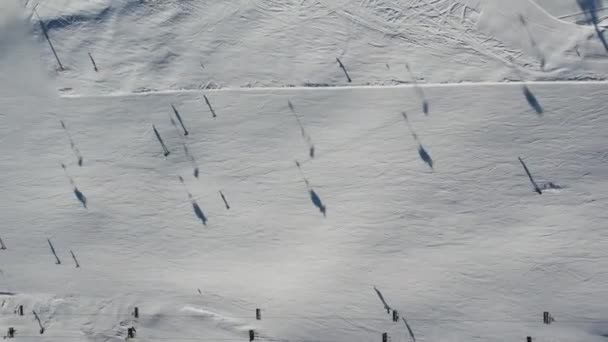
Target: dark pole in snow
[[179, 118], [2, 246], [93, 62], [39, 322], [386, 306], [409, 329], [160, 140], [344, 69], [209, 105], [58, 262], [75, 260], [225, 201], [536, 188], [46, 35]]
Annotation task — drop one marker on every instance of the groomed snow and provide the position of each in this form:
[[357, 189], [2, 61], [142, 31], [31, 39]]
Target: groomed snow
[[436, 210]]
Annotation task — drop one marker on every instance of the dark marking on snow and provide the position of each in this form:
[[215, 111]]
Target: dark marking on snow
[[418, 90], [46, 35], [225, 201], [199, 213], [409, 329], [591, 9], [75, 260], [424, 155], [317, 202], [57, 261], [536, 187], [422, 151], [307, 138], [209, 105], [179, 118], [39, 322], [344, 70], [81, 197], [532, 100], [73, 146], [93, 62], [386, 306], [160, 140]]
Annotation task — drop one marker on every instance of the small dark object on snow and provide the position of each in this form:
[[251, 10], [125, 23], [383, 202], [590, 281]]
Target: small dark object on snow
[[225, 201], [131, 332], [199, 213], [317, 202], [425, 156], [532, 101], [81, 197]]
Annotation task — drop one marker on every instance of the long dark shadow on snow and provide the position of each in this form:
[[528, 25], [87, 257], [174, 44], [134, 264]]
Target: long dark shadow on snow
[[184, 142], [533, 42], [195, 207], [316, 200], [422, 152], [532, 100], [307, 138], [419, 91], [73, 146], [590, 8], [79, 195]]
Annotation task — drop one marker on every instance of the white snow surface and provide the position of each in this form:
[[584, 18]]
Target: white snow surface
[[434, 209]]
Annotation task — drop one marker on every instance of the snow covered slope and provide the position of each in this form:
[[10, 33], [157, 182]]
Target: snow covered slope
[[433, 208], [157, 45]]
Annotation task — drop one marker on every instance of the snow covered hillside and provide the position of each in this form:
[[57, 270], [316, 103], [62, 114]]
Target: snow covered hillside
[[299, 200], [143, 45]]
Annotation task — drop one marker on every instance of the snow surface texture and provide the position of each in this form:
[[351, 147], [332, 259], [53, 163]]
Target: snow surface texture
[[432, 208], [144, 45]]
